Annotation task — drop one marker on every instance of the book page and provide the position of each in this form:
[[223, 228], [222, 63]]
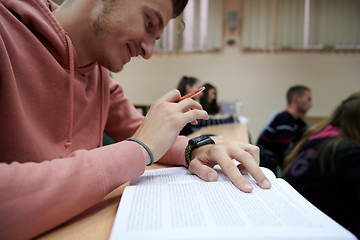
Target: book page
[[186, 207], [182, 174]]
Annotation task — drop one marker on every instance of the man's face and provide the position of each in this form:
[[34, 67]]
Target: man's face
[[124, 29], [304, 103]]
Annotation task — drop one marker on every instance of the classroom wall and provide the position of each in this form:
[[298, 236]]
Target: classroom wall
[[259, 79]]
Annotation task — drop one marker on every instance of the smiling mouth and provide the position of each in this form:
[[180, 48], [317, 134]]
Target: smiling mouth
[[132, 50], [129, 54]]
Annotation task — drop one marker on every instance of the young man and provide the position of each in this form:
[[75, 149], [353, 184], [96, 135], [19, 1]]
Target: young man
[[285, 129], [57, 98]]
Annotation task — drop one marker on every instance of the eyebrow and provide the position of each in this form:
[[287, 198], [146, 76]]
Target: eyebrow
[[160, 18]]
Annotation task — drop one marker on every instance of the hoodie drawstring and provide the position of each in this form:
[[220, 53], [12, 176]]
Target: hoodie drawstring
[[71, 91], [101, 107], [71, 98]]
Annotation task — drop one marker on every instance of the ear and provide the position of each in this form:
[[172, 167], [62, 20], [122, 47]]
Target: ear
[[296, 98]]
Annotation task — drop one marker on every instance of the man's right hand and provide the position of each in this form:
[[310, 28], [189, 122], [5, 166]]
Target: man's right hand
[[164, 121]]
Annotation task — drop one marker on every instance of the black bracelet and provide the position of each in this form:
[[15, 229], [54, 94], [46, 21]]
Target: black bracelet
[[146, 148]]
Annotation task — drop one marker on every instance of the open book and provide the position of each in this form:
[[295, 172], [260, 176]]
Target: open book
[[172, 203]]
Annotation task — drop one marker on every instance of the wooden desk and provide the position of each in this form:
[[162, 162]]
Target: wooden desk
[[229, 132], [96, 222]]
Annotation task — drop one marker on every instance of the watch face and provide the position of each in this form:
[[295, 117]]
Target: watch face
[[195, 143], [201, 140]]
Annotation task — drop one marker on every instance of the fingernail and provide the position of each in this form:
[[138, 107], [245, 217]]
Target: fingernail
[[247, 186], [266, 183], [212, 177]]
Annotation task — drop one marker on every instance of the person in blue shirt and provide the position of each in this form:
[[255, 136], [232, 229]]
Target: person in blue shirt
[[285, 129]]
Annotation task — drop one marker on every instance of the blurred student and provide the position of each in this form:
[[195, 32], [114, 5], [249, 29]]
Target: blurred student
[[285, 129], [324, 166], [189, 84], [208, 100]]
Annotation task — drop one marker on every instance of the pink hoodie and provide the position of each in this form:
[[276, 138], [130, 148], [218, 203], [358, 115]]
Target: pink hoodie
[[52, 115]]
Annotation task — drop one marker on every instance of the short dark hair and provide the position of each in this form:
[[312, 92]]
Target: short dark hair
[[296, 90], [178, 7]]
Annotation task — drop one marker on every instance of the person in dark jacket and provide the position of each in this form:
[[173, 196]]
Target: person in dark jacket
[[325, 165]]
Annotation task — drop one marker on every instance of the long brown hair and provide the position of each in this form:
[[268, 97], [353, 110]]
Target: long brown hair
[[210, 108], [346, 117]]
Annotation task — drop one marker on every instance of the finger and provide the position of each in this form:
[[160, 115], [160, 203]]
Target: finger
[[194, 114], [188, 104], [195, 122], [230, 169], [253, 150], [203, 171], [171, 96], [242, 169], [249, 163]]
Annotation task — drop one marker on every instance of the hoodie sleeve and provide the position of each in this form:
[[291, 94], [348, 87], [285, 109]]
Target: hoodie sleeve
[[35, 197]]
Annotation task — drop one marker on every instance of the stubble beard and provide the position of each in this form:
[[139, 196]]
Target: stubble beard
[[302, 110], [101, 29]]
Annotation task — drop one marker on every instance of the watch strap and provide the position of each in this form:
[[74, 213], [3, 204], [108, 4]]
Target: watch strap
[[195, 143]]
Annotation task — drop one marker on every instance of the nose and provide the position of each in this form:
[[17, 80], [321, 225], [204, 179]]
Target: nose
[[147, 48]]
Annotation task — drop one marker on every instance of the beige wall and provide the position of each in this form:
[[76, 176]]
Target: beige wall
[[58, 1], [260, 79]]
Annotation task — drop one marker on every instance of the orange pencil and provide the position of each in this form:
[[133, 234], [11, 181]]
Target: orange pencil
[[190, 95]]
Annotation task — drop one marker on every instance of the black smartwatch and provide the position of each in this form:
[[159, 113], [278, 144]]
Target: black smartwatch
[[195, 143]]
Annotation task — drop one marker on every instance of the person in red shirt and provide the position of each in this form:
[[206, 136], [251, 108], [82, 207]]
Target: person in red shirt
[[57, 98]]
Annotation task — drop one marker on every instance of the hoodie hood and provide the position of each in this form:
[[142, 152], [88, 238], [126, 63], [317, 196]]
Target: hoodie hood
[[37, 17]]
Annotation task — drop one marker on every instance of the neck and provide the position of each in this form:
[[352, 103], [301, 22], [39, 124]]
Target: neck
[[74, 17], [292, 110]]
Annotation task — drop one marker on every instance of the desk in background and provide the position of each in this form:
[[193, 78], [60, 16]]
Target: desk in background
[[229, 132], [97, 221], [143, 107]]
